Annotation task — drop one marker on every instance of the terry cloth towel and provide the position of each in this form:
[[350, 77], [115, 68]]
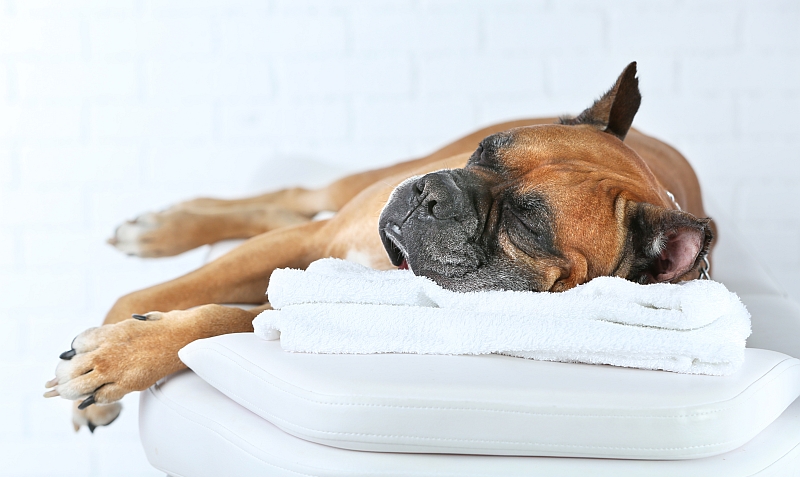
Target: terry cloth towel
[[335, 306]]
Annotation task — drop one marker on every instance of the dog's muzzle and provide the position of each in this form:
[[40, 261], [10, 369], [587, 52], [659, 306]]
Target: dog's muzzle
[[424, 213]]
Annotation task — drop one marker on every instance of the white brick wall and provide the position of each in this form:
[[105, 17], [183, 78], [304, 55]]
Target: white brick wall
[[109, 108]]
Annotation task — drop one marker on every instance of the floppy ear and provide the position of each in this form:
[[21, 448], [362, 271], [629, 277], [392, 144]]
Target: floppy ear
[[614, 111], [664, 245]]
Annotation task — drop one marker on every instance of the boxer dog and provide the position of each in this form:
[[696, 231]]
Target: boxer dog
[[540, 205]]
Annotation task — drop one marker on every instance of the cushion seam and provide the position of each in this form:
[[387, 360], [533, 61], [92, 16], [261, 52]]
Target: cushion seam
[[454, 439], [678, 416], [349, 471]]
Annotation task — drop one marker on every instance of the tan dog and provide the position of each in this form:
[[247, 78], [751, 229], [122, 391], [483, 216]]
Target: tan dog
[[542, 204]]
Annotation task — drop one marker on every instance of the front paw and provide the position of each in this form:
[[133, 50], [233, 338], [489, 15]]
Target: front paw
[[108, 362]]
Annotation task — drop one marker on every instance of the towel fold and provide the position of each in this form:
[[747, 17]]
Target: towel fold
[[334, 306]]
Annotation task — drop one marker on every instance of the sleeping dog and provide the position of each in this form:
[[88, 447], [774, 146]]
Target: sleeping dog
[[540, 205]]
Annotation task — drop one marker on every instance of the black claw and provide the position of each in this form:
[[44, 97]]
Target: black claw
[[67, 355], [140, 317], [86, 403], [91, 426]]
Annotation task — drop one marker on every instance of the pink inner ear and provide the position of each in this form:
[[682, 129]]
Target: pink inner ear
[[679, 255]]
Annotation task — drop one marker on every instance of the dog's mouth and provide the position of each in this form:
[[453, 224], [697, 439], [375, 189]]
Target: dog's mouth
[[391, 236]]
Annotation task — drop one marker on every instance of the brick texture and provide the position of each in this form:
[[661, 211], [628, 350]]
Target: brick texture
[[108, 109]]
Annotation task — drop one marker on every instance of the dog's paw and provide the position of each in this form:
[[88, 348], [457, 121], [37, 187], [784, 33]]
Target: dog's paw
[[94, 416], [108, 362], [157, 234]]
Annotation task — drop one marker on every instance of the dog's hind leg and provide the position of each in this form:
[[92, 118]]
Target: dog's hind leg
[[195, 223]]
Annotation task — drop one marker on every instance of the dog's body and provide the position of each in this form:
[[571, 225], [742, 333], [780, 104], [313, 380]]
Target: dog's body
[[539, 206]]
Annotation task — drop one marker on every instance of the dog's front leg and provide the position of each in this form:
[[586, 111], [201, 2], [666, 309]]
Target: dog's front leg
[[240, 276], [107, 362], [128, 354]]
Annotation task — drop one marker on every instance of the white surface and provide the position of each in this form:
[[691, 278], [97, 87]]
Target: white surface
[[777, 326], [493, 404], [226, 439], [734, 260], [108, 109]]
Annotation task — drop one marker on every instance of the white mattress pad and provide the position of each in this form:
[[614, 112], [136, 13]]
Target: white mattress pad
[[190, 429], [497, 405]]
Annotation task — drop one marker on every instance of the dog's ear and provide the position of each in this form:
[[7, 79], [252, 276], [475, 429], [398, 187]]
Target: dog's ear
[[614, 111], [663, 245]]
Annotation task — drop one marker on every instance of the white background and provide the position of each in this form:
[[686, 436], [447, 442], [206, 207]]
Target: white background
[[111, 108]]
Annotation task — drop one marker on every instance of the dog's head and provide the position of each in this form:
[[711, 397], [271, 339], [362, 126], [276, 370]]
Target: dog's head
[[546, 208]]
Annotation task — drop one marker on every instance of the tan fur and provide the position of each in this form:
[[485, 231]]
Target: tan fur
[[132, 355]]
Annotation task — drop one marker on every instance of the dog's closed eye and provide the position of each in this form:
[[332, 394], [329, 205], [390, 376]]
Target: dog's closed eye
[[482, 157]]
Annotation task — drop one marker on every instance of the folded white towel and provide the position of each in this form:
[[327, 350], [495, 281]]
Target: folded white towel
[[334, 306]]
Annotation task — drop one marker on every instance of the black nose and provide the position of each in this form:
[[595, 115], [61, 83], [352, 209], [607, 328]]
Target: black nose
[[440, 197]]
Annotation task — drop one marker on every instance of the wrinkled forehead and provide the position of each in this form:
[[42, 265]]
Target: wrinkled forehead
[[572, 159], [532, 145]]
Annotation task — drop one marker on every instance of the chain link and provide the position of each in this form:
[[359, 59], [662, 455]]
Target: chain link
[[705, 269]]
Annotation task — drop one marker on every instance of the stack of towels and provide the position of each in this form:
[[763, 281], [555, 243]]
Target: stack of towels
[[335, 306]]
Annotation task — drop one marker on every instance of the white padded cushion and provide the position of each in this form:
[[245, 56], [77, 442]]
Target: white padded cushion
[[190, 429], [497, 404]]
